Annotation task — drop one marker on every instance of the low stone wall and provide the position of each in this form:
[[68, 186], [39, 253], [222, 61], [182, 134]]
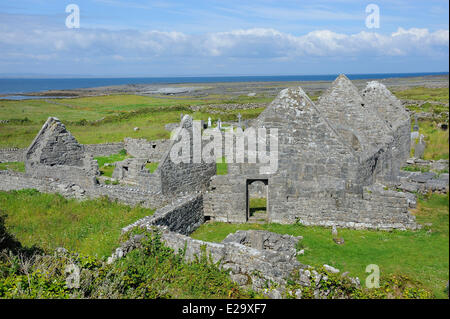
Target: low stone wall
[[129, 196], [16, 181], [250, 267], [424, 182], [182, 216], [375, 209], [105, 149], [12, 155]]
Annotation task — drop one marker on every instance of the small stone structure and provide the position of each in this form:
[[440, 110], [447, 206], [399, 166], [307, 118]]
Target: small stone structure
[[132, 171], [55, 153]]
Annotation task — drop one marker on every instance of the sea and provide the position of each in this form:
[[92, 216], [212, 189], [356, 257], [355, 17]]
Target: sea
[[14, 87]]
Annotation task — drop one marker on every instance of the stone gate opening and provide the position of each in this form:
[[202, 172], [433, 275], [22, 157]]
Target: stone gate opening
[[257, 196]]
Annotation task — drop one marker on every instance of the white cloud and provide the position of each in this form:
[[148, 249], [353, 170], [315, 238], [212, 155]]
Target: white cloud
[[258, 43]]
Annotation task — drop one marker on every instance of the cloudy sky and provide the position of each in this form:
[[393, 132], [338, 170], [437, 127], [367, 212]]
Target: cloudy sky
[[232, 37]]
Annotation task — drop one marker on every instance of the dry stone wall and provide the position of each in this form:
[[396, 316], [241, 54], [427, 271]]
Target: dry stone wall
[[104, 149], [150, 150], [125, 195], [183, 216], [12, 155]]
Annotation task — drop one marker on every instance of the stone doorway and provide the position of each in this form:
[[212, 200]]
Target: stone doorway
[[257, 196]]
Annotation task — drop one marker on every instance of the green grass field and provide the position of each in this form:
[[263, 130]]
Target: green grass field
[[437, 143], [424, 94], [423, 255], [50, 221], [101, 119]]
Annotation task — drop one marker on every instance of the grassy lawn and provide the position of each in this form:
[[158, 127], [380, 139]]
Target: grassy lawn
[[436, 141], [423, 255], [424, 94], [13, 166], [102, 160], [258, 206], [50, 221]]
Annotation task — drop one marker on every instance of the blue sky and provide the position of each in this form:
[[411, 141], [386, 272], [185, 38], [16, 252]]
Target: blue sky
[[265, 37]]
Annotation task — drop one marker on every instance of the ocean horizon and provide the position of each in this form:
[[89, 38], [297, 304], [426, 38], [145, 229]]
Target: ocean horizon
[[11, 86]]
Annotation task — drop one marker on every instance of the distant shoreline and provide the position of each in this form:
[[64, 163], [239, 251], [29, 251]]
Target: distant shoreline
[[17, 89]]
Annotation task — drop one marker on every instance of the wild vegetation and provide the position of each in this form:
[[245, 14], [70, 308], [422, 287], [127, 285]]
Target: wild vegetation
[[49, 221], [420, 255], [153, 271]]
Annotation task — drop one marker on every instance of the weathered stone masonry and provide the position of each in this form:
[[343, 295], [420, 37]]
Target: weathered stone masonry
[[331, 156]]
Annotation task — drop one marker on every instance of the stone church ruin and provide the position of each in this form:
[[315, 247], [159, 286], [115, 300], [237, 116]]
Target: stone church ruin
[[337, 157], [339, 161]]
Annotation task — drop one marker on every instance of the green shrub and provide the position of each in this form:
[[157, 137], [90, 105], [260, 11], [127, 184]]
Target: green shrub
[[151, 271]]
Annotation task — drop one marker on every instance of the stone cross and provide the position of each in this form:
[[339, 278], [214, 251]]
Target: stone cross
[[419, 148], [209, 122], [416, 126]]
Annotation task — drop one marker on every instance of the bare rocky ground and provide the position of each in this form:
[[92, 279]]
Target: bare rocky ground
[[199, 90]]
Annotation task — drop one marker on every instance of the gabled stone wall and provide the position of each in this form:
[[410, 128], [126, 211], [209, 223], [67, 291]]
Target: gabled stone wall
[[329, 155], [187, 176], [55, 153]]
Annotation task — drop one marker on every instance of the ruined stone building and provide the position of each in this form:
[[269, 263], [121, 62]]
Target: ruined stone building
[[332, 155], [55, 153], [336, 159]]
